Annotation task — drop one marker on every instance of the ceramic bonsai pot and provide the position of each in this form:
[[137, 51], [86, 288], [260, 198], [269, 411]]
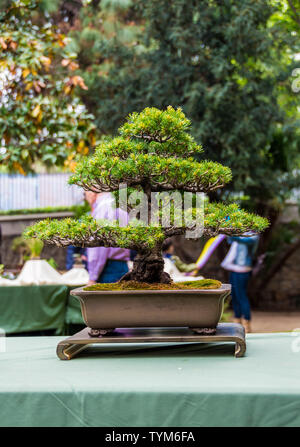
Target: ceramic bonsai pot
[[200, 310]]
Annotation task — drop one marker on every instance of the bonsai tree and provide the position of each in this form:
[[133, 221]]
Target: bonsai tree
[[153, 154]]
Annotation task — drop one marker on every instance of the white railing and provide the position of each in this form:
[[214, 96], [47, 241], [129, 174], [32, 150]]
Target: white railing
[[37, 191]]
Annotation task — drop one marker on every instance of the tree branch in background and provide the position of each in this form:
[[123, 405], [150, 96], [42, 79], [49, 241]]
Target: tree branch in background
[[295, 14]]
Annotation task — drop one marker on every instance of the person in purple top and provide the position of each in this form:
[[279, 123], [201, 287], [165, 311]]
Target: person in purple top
[[106, 264]]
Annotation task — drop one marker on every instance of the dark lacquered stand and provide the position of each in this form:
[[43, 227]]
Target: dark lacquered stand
[[226, 332]]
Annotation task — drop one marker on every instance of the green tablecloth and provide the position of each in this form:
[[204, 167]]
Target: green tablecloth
[[33, 308], [151, 385]]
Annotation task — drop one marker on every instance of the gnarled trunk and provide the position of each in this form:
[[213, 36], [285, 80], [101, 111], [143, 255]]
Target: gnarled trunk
[[148, 267]]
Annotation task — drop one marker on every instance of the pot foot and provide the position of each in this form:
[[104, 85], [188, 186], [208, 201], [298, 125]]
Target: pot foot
[[99, 332], [204, 330]]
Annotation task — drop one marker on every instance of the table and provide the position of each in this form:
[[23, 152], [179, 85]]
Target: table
[[33, 308], [162, 385], [38, 308]]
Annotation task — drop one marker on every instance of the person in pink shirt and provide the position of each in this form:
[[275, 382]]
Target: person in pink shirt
[[106, 264]]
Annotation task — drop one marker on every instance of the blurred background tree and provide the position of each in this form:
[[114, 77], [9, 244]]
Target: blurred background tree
[[230, 65], [42, 118]]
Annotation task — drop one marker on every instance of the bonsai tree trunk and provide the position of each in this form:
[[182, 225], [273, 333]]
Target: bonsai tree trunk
[[148, 266]]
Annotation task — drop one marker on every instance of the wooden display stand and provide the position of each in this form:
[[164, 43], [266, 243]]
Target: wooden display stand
[[226, 332]]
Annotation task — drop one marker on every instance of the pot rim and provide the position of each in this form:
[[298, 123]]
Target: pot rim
[[225, 288]]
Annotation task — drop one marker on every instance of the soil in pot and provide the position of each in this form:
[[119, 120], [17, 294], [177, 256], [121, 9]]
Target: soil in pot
[[135, 285]]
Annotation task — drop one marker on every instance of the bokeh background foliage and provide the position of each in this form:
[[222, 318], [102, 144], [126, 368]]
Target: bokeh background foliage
[[86, 64], [42, 119], [228, 65]]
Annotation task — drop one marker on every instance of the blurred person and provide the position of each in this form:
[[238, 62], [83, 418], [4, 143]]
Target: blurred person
[[106, 264], [71, 251], [168, 252], [239, 262], [176, 268]]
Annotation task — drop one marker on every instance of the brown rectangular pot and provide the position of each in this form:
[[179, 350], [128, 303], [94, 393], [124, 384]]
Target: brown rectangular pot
[[196, 309]]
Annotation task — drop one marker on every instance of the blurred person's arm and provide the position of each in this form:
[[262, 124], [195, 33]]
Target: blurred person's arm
[[83, 253]]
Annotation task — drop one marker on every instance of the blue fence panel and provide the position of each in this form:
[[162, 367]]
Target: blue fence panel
[[37, 191]]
